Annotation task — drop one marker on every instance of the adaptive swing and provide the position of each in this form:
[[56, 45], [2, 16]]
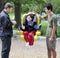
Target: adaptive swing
[[32, 26]]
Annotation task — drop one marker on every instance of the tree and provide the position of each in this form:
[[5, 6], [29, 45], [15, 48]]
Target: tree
[[17, 6], [17, 13], [28, 5], [35, 5], [1, 5], [56, 5]]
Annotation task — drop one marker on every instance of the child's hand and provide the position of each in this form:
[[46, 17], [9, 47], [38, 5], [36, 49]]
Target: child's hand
[[19, 27]]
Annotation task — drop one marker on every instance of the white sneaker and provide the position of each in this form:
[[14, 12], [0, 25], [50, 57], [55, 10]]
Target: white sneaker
[[29, 46], [27, 43]]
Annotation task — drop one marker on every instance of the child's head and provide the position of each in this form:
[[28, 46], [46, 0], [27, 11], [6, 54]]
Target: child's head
[[29, 18]]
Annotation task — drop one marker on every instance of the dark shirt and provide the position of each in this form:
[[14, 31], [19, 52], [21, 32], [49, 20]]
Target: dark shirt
[[5, 24]]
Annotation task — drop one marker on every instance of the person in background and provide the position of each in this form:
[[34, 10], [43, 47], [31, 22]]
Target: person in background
[[51, 30], [6, 31]]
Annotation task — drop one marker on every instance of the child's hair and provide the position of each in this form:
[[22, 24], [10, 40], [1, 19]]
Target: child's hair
[[49, 6], [31, 15]]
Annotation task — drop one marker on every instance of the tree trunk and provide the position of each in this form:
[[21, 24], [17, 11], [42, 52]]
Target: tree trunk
[[1, 5], [17, 13]]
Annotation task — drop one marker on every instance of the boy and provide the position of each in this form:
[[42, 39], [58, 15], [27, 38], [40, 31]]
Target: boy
[[51, 30]]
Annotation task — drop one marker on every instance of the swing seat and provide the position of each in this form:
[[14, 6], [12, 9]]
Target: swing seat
[[37, 33]]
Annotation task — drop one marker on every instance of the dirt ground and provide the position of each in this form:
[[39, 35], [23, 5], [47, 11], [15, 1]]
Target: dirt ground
[[38, 50]]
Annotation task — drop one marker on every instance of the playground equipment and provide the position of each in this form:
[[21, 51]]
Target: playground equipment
[[37, 33]]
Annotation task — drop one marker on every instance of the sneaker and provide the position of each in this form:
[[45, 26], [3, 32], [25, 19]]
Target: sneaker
[[27, 43], [28, 46]]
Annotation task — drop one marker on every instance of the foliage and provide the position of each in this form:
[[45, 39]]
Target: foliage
[[56, 5], [44, 27], [37, 5], [58, 31], [33, 5]]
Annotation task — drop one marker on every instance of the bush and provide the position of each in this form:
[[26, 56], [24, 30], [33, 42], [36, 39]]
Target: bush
[[44, 27], [58, 31]]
